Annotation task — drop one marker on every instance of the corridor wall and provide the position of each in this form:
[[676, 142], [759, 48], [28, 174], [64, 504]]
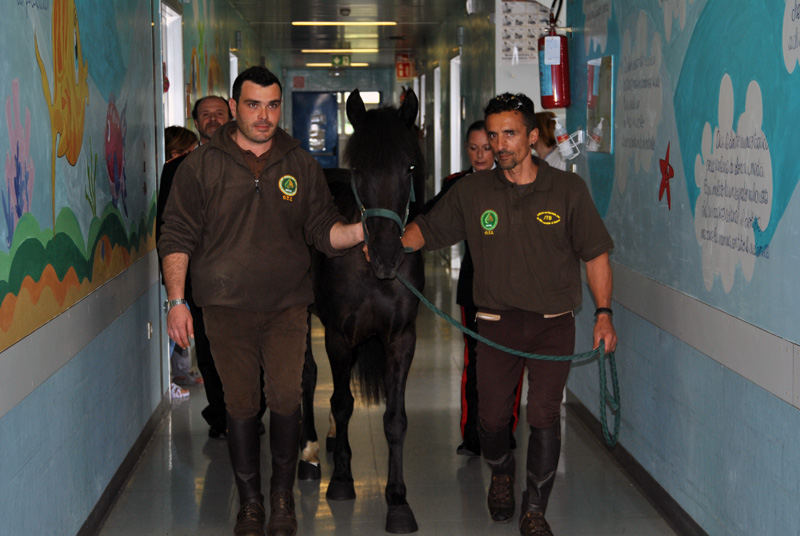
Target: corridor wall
[[477, 54], [699, 192], [81, 368]]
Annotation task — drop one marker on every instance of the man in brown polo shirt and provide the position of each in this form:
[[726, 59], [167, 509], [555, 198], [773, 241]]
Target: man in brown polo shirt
[[528, 226]]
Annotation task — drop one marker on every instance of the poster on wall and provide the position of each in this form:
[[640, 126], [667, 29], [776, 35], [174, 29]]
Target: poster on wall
[[521, 24]]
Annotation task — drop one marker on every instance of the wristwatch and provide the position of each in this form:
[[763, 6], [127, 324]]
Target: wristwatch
[[169, 304]]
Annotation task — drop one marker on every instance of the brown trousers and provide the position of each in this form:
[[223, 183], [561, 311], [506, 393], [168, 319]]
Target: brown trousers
[[499, 372], [243, 342]]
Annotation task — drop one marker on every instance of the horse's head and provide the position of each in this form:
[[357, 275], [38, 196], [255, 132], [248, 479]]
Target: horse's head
[[387, 171]]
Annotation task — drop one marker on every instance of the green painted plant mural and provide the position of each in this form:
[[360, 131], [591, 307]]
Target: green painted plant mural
[[90, 192]]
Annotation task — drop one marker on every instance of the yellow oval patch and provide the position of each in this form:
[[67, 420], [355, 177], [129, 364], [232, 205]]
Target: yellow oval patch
[[548, 218]]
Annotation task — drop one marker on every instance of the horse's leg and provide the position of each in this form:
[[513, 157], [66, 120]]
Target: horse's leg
[[308, 467], [341, 486], [399, 353], [330, 440]]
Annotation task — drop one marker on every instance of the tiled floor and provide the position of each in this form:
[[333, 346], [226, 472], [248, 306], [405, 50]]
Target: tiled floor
[[183, 484]]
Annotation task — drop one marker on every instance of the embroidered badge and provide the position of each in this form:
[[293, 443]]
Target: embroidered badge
[[489, 220], [548, 218], [288, 185]]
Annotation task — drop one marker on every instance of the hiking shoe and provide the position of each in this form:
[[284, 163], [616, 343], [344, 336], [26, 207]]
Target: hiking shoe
[[501, 498], [250, 520], [534, 524], [282, 521]]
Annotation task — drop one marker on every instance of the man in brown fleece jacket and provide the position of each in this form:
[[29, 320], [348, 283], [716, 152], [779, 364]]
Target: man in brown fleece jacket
[[245, 207]]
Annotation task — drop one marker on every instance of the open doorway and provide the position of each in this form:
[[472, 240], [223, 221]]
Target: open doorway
[[455, 115], [437, 129], [319, 121], [172, 57], [234, 61], [455, 145]]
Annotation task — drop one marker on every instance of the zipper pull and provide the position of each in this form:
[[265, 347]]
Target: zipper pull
[[258, 187]]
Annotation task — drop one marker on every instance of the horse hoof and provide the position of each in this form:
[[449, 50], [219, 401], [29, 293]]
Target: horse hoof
[[341, 491], [400, 520], [308, 471], [330, 444]]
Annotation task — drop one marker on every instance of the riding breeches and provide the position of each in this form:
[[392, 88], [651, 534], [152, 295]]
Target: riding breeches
[[244, 342], [499, 372]]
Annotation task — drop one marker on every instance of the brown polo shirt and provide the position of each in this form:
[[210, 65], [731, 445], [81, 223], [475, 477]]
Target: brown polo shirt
[[526, 243], [255, 163]]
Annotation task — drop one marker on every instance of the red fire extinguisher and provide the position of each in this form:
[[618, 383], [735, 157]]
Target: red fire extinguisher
[[554, 68]]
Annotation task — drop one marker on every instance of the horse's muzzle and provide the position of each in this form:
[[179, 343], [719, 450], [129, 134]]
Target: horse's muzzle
[[386, 264]]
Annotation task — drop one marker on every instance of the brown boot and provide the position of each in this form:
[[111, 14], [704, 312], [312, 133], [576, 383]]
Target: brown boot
[[284, 439], [495, 448], [533, 524], [282, 520], [250, 520], [244, 448], [501, 498], [544, 449]]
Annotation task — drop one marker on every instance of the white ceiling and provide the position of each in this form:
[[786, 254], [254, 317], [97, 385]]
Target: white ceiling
[[417, 20]]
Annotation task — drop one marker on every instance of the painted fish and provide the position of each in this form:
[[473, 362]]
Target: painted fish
[[114, 146]]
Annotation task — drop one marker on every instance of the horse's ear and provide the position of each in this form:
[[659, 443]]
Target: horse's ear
[[408, 110], [355, 108]]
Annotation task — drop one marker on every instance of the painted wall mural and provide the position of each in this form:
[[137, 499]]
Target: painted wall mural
[[19, 165], [209, 30], [700, 193], [65, 237], [70, 93], [77, 82], [114, 145]]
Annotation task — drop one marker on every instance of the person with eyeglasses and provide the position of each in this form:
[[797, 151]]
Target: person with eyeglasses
[[528, 226]]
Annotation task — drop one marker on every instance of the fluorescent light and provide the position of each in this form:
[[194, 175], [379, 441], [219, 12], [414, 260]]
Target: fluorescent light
[[364, 36], [337, 66], [337, 23], [339, 50]]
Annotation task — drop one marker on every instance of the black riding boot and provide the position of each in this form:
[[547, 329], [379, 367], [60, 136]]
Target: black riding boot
[[284, 439], [244, 447], [497, 452], [544, 449]]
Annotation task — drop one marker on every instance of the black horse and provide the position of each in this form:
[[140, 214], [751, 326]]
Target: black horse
[[369, 316]]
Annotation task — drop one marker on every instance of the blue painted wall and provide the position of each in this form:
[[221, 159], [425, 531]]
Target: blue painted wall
[[704, 93], [62, 444]]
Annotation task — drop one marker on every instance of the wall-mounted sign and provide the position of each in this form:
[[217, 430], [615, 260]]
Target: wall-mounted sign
[[520, 25], [340, 60], [403, 70]]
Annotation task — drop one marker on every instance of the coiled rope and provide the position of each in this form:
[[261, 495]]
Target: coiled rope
[[608, 399]]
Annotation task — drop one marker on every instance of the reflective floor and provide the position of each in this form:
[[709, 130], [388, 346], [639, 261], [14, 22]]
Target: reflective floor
[[183, 484]]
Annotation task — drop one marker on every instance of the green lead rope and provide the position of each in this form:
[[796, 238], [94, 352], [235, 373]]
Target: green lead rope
[[607, 400]]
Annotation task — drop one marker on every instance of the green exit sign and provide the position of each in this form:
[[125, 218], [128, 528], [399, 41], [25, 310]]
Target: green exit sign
[[340, 60]]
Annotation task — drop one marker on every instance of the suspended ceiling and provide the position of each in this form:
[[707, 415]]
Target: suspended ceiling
[[417, 20]]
